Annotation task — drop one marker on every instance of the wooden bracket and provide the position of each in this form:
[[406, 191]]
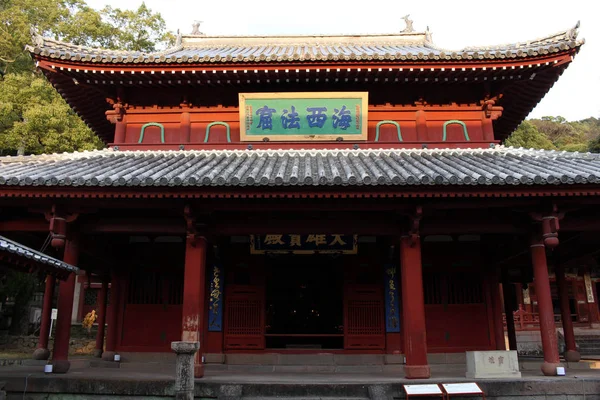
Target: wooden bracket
[[59, 219], [550, 225], [415, 225]]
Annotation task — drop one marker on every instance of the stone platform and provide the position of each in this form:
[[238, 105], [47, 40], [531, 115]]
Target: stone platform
[[81, 382]]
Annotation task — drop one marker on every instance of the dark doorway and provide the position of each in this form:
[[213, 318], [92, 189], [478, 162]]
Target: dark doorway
[[304, 302]]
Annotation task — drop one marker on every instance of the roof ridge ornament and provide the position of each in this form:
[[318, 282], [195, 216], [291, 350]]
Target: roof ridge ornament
[[37, 39], [196, 29], [573, 32], [409, 25]]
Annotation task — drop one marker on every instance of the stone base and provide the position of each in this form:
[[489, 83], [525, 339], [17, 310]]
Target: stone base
[[98, 353], [572, 356], [417, 371], [109, 355], [60, 366], [41, 354], [549, 369]]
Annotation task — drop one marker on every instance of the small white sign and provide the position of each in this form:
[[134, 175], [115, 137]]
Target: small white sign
[[560, 371], [422, 389], [462, 388], [54, 314]]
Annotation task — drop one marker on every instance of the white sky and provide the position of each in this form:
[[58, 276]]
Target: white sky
[[455, 24]]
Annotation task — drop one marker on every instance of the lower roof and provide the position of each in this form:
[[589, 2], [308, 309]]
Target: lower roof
[[16, 256], [330, 168]]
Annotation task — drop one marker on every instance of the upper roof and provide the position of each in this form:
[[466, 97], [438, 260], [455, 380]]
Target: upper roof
[[200, 49], [37, 260], [199, 169]]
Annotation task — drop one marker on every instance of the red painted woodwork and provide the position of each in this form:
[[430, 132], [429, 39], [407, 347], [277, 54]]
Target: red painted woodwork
[[565, 311], [102, 299], [418, 124], [66, 293], [413, 308], [364, 324], [583, 311], [542, 289], [150, 327], [497, 310], [244, 317], [193, 315], [46, 312], [455, 328], [112, 314]]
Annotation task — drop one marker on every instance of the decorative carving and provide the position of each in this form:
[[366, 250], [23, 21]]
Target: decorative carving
[[550, 225], [58, 225], [37, 39], [196, 29], [190, 222], [178, 40], [415, 223], [409, 24], [573, 32]]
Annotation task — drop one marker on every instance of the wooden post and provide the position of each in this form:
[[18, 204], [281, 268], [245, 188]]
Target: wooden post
[[544, 298], [66, 293], [42, 352], [193, 315], [497, 310], [113, 323], [510, 305], [413, 309], [102, 297], [571, 353]]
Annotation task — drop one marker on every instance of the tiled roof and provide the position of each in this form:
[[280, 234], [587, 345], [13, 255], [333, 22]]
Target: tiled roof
[[249, 49], [262, 168], [22, 251]]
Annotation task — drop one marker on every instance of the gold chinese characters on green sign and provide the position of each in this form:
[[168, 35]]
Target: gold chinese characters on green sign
[[303, 244], [303, 116]]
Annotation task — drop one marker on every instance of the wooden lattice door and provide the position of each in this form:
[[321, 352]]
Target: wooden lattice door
[[244, 317], [364, 326]]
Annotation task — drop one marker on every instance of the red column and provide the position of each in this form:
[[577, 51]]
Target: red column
[[571, 353], [510, 305], [42, 352], [113, 313], [544, 298], [66, 292], [413, 309], [101, 317], [497, 309], [193, 315]]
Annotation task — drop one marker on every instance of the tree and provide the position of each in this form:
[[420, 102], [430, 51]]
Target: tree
[[528, 136], [33, 117]]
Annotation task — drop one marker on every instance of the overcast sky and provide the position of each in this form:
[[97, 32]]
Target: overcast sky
[[455, 24]]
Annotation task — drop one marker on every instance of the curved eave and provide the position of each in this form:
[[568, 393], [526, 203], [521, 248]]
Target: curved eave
[[78, 82]]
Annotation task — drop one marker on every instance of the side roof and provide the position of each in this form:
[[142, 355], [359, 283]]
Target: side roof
[[199, 49], [17, 256]]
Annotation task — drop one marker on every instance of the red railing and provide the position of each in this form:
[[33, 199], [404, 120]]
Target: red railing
[[529, 321]]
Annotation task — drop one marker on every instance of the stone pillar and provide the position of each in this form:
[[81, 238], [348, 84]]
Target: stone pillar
[[102, 297], [544, 297], [193, 315], [113, 323], [60, 355], [184, 369], [571, 353], [510, 306], [42, 352], [413, 309], [497, 310]]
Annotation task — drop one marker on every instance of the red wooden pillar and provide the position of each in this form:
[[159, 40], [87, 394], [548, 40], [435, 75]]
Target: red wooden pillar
[[102, 296], [413, 309], [510, 306], [42, 352], [193, 315], [544, 298], [113, 313], [497, 310], [571, 353], [60, 354]]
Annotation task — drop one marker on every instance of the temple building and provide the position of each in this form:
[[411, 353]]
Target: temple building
[[279, 196]]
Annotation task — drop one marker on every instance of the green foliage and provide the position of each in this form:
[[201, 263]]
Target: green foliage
[[33, 117], [528, 136], [557, 133]]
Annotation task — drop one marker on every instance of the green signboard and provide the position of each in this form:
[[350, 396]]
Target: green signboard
[[303, 116]]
